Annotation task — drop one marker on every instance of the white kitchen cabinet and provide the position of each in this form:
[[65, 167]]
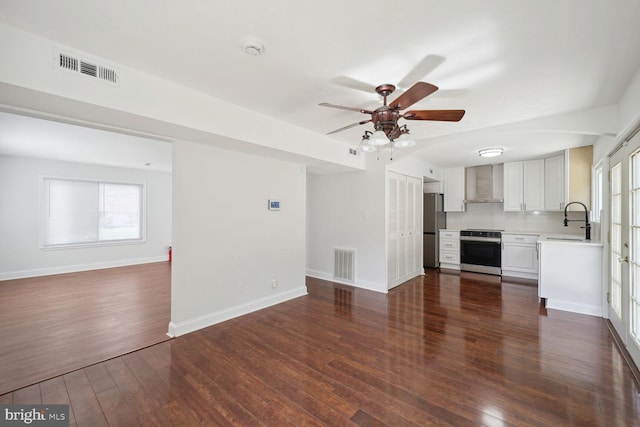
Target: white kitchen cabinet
[[450, 249], [524, 186], [404, 228], [555, 188], [520, 255], [571, 276], [454, 181]]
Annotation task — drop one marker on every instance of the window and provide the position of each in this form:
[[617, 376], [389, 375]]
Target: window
[[78, 212]]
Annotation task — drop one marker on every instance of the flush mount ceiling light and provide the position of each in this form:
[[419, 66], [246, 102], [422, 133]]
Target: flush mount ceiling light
[[490, 152]]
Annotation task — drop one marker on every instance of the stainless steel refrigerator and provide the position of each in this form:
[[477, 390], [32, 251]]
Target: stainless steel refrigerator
[[434, 218]]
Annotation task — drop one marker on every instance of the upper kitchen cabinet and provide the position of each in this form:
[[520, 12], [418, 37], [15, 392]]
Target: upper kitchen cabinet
[[555, 194], [524, 186], [454, 180]]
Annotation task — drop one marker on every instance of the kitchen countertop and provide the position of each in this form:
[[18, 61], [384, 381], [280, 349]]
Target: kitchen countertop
[[526, 233], [553, 238], [567, 239]]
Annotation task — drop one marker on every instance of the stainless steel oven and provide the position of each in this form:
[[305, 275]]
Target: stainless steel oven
[[480, 251]]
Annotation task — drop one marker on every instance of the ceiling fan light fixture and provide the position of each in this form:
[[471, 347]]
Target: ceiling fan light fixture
[[378, 138], [385, 118], [490, 152], [365, 145], [404, 140]]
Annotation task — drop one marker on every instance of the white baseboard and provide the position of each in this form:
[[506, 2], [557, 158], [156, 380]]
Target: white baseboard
[[364, 284], [180, 328], [519, 274], [76, 268], [574, 308]]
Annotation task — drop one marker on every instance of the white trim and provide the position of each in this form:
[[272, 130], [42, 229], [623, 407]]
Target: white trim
[[519, 274], [405, 278], [363, 284], [76, 268], [591, 310], [180, 328]]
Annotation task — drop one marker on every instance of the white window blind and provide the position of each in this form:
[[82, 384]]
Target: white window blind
[[91, 212]]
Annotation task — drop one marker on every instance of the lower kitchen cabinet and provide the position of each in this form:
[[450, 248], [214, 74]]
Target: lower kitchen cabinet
[[450, 249], [520, 255], [571, 276]]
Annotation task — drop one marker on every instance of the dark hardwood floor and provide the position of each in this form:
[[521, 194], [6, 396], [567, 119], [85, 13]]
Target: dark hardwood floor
[[445, 349], [56, 324]]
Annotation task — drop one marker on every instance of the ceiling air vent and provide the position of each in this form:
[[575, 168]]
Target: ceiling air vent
[[86, 67]]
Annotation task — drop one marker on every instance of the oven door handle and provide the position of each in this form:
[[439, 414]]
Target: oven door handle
[[480, 239]]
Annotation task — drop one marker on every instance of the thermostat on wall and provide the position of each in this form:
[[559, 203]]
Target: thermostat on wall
[[274, 204]]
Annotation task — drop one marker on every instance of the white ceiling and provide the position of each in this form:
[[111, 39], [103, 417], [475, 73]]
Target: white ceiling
[[34, 137], [503, 61]]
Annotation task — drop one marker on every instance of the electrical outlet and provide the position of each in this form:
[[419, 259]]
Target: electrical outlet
[[240, 287], [274, 282]]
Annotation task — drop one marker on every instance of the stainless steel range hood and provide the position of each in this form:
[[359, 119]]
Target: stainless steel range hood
[[485, 184]]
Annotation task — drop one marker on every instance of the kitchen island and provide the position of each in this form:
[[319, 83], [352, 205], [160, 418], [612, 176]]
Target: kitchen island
[[570, 276]]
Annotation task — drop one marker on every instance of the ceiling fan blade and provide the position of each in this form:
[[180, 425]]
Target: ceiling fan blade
[[421, 69], [439, 115], [414, 94], [354, 84], [348, 127], [342, 107]]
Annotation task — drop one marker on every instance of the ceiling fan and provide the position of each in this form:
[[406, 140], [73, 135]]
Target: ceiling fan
[[385, 118]]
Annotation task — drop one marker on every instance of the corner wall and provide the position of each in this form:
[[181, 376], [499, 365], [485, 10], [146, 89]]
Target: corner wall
[[228, 247], [347, 211]]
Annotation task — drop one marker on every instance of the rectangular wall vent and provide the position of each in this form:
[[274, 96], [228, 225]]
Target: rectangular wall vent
[[84, 67], [68, 62], [344, 264]]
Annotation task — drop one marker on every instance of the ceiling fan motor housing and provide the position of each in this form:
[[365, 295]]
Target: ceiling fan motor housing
[[386, 119]]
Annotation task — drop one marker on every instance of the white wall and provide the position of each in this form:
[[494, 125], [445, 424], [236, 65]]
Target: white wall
[[227, 245], [629, 118], [414, 166], [21, 220], [347, 211]]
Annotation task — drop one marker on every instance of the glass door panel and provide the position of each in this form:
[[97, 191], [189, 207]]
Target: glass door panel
[[615, 291], [624, 250]]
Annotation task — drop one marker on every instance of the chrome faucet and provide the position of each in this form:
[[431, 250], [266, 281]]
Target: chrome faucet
[[587, 225]]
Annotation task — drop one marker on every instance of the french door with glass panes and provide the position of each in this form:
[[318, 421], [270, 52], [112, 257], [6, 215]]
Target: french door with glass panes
[[624, 251]]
